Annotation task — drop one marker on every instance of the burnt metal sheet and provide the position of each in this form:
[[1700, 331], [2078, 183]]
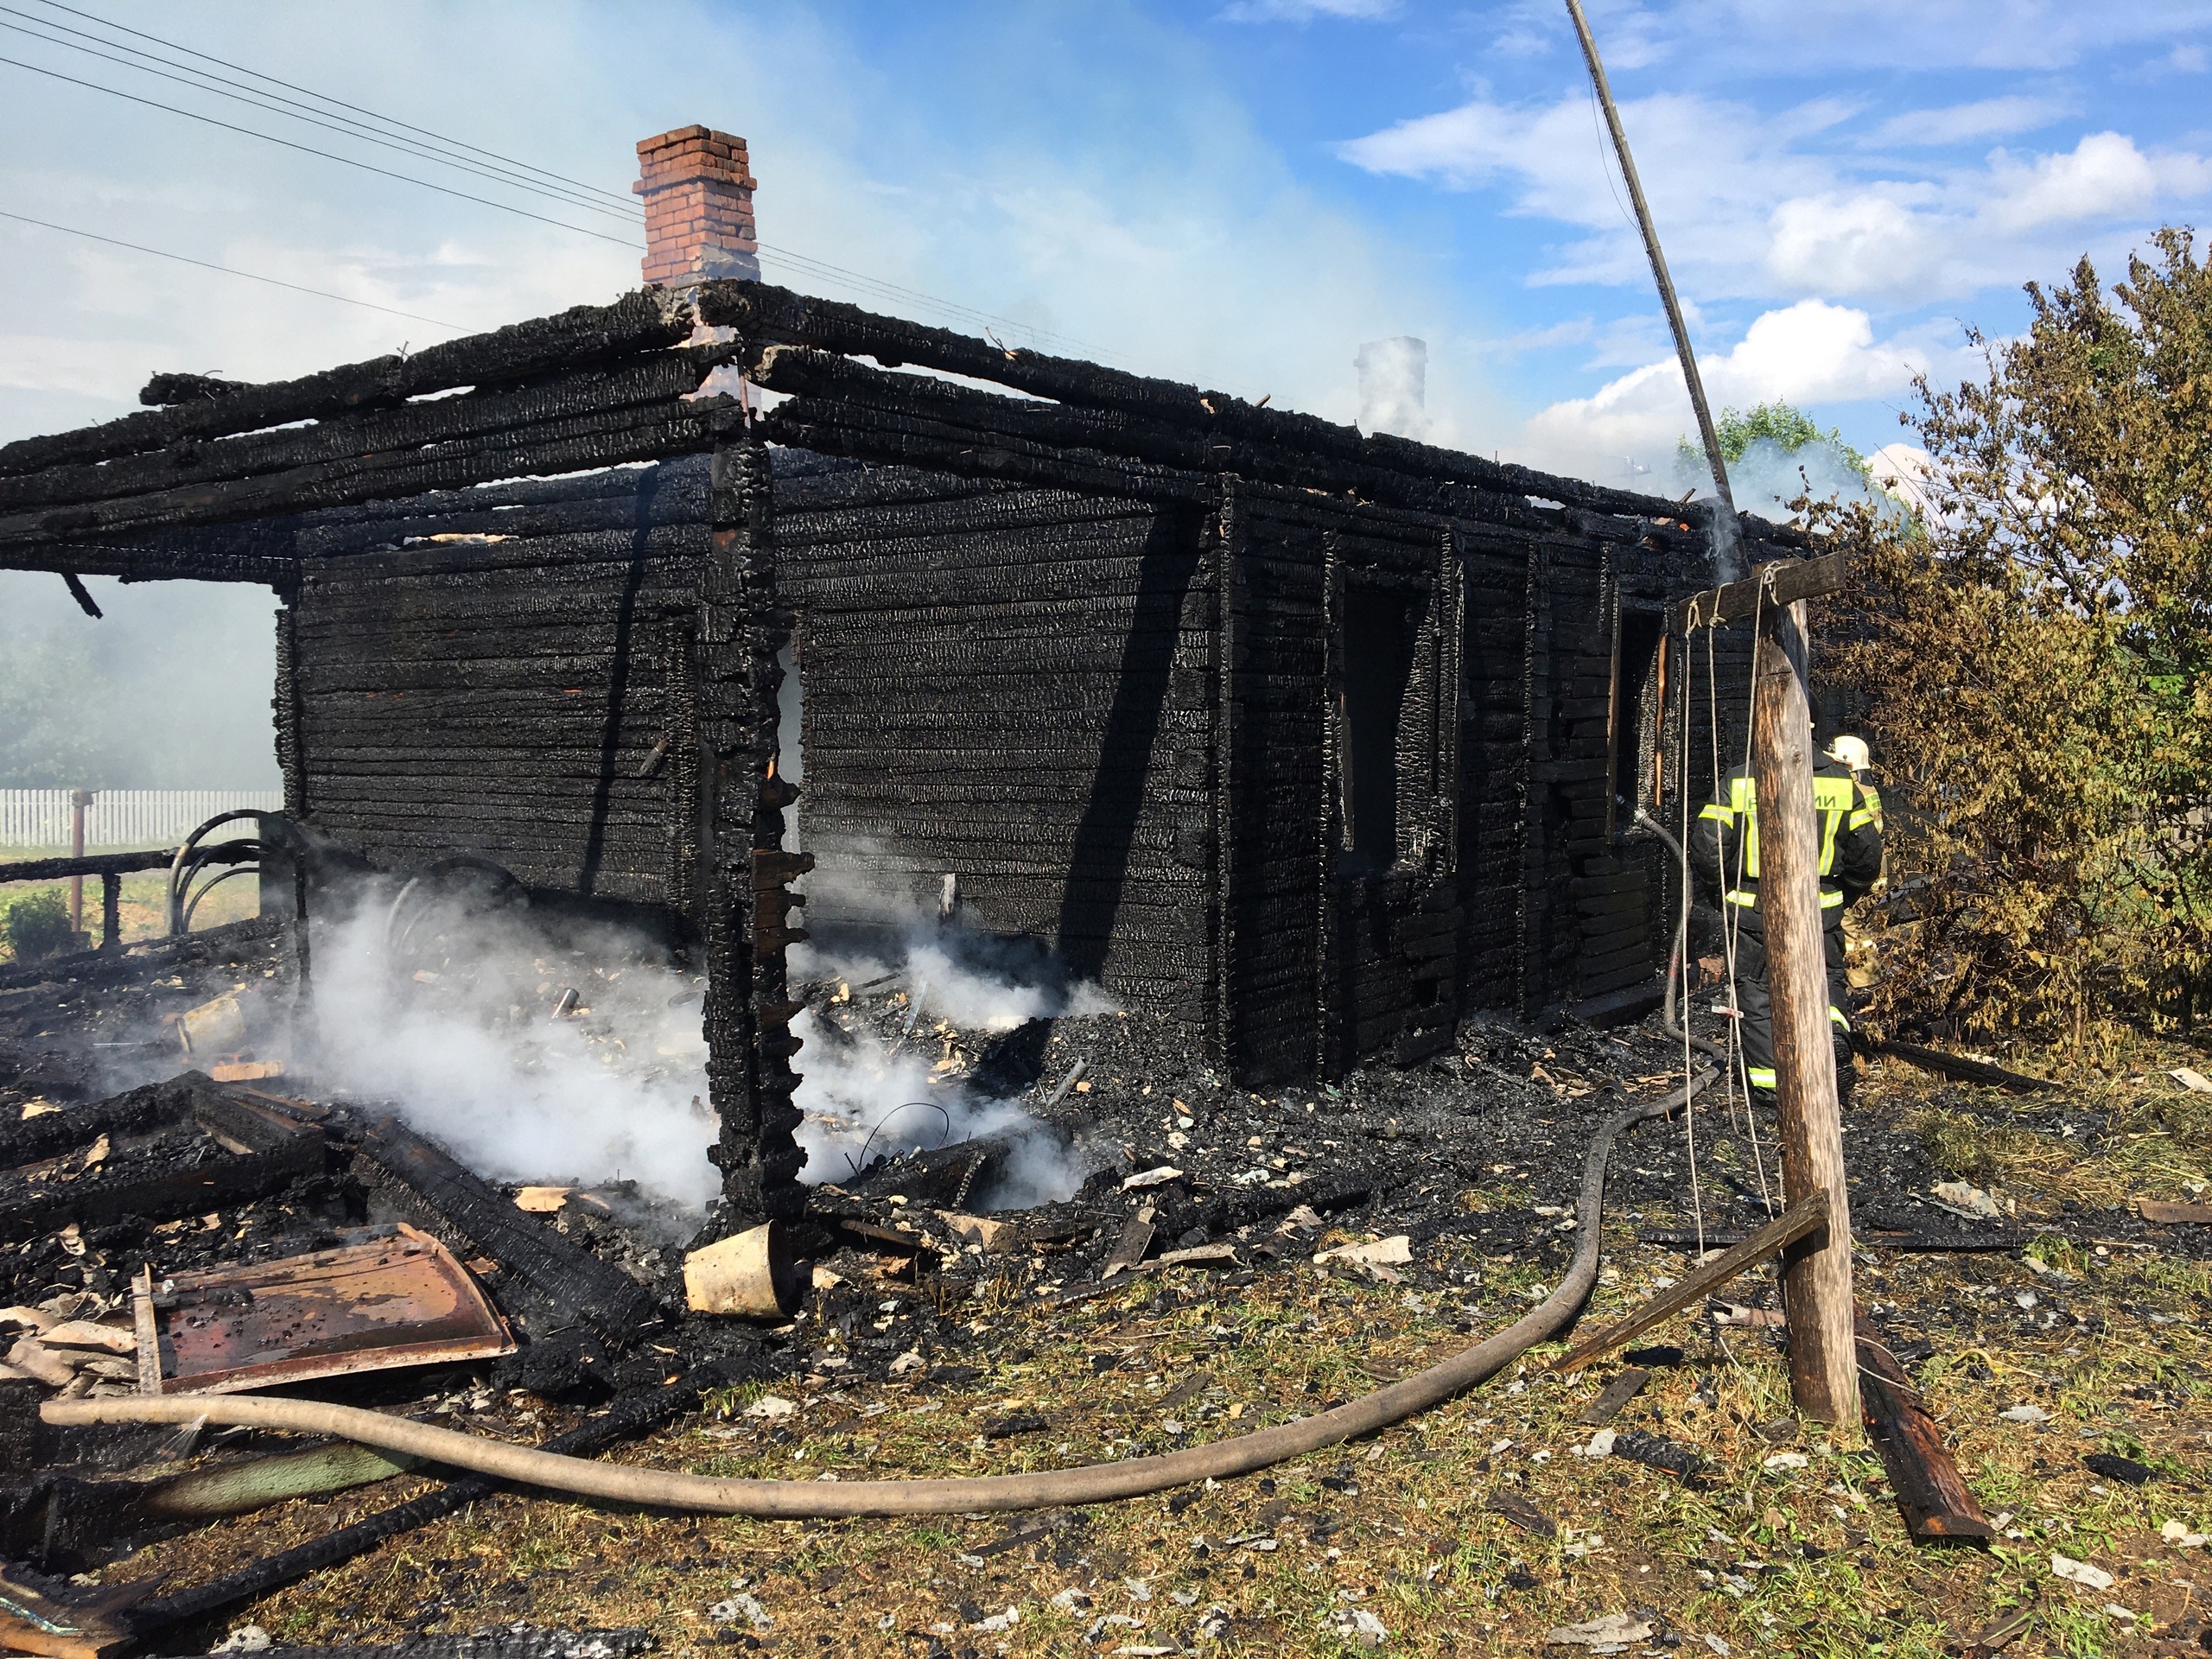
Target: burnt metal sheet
[[393, 1296]]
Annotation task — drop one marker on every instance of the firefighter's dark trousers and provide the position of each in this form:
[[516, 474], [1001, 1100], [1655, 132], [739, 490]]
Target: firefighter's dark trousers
[[1756, 1007]]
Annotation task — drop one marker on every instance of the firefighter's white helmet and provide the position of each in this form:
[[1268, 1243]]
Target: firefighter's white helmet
[[1851, 751]]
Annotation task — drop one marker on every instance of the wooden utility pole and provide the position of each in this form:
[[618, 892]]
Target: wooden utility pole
[[1817, 1270], [1728, 540]]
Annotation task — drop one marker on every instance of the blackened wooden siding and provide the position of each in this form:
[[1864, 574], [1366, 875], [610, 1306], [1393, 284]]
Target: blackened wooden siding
[[499, 694], [1016, 686], [1111, 717]]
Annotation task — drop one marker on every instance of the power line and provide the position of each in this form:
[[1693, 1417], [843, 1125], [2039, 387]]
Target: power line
[[309, 149], [574, 194], [343, 126], [320, 98], [628, 210], [230, 270]]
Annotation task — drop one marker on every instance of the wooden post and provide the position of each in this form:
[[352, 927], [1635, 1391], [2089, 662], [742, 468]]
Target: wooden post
[[1816, 1272], [79, 800]]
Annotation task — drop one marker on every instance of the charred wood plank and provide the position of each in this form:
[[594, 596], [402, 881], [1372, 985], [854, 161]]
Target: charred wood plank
[[768, 315], [49, 869], [277, 1154], [644, 431], [133, 1112], [613, 1304], [1932, 1495], [1807, 1216], [1960, 1069], [647, 320], [409, 426]]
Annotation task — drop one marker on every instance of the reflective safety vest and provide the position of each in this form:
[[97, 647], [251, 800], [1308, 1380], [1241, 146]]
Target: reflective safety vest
[[1848, 816]]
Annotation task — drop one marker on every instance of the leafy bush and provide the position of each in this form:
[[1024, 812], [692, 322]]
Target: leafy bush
[[1782, 424], [37, 924], [2032, 654]]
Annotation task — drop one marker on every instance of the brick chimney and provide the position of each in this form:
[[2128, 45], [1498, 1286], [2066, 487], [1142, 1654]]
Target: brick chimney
[[698, 195]]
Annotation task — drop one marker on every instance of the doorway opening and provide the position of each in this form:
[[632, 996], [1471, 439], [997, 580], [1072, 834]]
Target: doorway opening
[[1381, 627]]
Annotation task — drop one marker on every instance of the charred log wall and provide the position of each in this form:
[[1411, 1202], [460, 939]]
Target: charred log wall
[[492, 677], [1012, 685]]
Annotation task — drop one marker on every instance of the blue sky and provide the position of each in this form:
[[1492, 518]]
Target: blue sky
[[1238, 193]]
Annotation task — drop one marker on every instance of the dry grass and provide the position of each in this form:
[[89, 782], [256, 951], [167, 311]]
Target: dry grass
[[2157, 1143], [2111, 1343]]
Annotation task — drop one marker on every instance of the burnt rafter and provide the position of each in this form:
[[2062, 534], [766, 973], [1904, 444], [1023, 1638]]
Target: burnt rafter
[[646, 321], [770, 316]]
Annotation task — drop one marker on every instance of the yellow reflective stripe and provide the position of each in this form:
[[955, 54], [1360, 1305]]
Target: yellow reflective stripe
[[1873, 798], [1829, 822], [1861, 818], [1838, 1016], [1739, 897], [1831, 897], [1718, 814], [1761, 1076]]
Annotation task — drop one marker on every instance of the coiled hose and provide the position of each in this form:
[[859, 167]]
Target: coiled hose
[[794, 1500]]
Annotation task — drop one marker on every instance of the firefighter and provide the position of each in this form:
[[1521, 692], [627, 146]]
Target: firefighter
[[1724, 849], [1860, 968]]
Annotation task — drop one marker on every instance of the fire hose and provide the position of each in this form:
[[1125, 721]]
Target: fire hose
[[821, 1499]]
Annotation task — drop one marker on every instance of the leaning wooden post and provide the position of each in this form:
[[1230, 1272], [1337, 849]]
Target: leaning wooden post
[[1816, 1271]]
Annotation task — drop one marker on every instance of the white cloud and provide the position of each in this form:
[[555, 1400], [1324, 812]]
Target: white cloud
[[2103, 177], [1808, 352], [1987, 118], [1767, 205]]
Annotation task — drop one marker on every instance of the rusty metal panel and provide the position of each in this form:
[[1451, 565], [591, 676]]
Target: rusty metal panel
[[392, 1297]]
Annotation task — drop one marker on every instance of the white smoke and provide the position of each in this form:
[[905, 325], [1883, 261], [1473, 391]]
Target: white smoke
[[864, 1100], [456, 1028], [864, 1097], [1768, 477], [1394, 386], [454, 1022]]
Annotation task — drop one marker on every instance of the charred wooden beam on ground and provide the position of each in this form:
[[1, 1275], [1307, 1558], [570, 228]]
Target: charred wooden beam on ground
[[459, 1204], [234, 1150], [1933, 1497]]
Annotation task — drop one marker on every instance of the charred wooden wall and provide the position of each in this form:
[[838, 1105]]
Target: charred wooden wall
[[489, 672], [1010, 685]]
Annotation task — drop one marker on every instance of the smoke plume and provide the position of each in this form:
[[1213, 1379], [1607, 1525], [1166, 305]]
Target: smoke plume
[[866, 1095], [453, 1021]]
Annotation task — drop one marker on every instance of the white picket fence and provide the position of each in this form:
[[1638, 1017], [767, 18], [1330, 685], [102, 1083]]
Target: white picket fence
[[122, 817]]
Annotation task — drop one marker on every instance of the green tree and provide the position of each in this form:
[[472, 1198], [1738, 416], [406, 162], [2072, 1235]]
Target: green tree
[[1784, 425], [2033, 654]]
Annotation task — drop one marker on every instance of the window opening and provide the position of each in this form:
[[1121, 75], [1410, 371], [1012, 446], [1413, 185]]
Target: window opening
[[1380, 629]]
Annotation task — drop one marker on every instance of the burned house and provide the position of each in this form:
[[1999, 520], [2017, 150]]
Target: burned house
[[1319, 741]]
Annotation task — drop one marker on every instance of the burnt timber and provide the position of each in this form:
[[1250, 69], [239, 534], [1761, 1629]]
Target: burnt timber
[[1319, 741]]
